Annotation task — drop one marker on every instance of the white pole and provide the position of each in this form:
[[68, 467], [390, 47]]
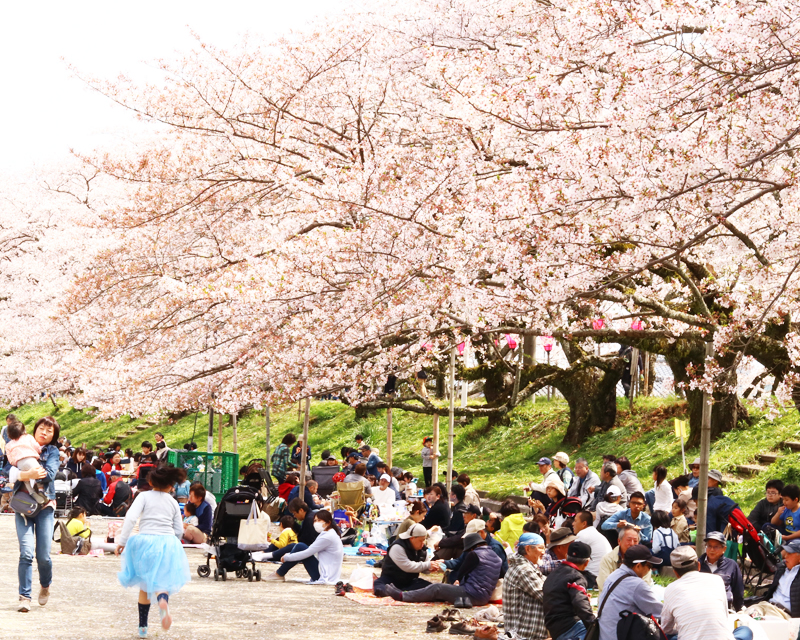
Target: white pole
[[451, 419], [435, 464], [705, 449], [266, 415], [389, 437], [304, 450]]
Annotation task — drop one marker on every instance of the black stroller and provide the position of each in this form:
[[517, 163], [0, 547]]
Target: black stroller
[[231, 510]]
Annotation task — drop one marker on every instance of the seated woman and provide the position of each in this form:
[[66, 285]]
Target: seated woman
[[416, 514], [75, 463], [553, 511], [438, 509], [289, 483], [513, 521], [88, 492], [323, 559], [113, 463], [477, 579]]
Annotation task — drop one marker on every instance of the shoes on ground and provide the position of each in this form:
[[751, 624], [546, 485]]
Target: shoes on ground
[[339, 589], [450, 615], [436, 625], [348, 588], [24, 604], [463, 628], [463, 603], [44, 595], [486, 632]]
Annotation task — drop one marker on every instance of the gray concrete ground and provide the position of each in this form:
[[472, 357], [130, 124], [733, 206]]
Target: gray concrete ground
[[88, 603]]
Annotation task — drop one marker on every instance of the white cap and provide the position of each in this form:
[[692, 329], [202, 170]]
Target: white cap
[[475, 525], [562, 457], [613, 491], [414, 531], [387, 477]]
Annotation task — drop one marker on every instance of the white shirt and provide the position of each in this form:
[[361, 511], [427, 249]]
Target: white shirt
[[330, 554], [599, 544], [696, 608], [158, 514], [782, 595], [386, 497], [663, 497]]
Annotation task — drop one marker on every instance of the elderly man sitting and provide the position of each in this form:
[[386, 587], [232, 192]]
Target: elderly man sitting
[[628, 537], [523, 606], [784, 592], [406, 559], [713, 561]]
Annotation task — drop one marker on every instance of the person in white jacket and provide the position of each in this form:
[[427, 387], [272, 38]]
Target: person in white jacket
[[323, 559], [384, 495]]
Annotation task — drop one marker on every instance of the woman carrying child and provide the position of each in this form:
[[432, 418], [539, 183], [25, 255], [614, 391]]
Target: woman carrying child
[[154, 559]]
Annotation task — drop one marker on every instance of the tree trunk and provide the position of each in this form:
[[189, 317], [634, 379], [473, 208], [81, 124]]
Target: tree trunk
[[592, 398], [439, 387]]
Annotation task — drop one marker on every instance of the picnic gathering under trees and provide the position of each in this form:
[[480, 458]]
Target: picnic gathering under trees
[[403, 198]]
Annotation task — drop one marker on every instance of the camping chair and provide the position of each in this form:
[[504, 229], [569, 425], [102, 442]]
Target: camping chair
[[759, 558], [351, 494]]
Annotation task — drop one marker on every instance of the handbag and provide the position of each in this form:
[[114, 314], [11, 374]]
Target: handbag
[[635, 626], [24, 503], [593, 632], [254, 530], [72, 545]]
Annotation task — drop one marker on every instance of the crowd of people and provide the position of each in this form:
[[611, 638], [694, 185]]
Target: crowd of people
[[582, 529]]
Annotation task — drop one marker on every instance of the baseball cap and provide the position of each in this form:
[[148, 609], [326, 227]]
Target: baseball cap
[[473, 526], [528, 539], [639, 553], [386, 476], [414, 531], [614, 491], [562, 535], [562, 457], [714, 474], [716, 535], [683, 557], [793, 546], [472, 540], [544, 461], [579, 550]]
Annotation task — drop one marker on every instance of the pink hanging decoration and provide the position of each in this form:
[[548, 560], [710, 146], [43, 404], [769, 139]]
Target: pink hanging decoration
[[598, 324], [460, 348], [548, 342], [512, 344], [637, 325]]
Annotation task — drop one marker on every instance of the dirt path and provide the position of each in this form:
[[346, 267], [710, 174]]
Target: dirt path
[[88, 603]]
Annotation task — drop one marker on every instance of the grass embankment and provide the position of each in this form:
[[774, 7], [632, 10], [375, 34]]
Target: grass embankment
[[498, 460]]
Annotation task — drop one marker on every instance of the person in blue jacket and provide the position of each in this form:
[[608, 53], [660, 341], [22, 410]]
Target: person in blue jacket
[[372, 460], [477, 526]]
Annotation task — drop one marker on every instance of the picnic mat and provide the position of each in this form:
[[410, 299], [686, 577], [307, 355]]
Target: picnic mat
[[369, 598]]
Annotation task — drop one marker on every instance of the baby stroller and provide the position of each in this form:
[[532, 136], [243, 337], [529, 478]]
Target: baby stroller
[[231, 510], [63, 487], [763, 559], [257, 477]]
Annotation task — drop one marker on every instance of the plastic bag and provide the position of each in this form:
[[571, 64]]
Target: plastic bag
[[362, 578]]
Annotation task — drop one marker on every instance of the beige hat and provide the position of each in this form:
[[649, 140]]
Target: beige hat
[[414, 531], [562, 457], [473, 526]]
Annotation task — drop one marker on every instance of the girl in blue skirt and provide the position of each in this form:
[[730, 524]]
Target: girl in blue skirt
[[154, 560]]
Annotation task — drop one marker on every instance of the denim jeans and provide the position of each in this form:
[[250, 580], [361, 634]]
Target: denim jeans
[[577, 632], [311, 563], [35, 536], [740, 633]]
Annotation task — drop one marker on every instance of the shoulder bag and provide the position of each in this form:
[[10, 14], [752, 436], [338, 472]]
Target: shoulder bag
[[593, 632]]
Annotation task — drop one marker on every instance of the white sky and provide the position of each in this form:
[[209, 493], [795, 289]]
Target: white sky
[[45, 111]]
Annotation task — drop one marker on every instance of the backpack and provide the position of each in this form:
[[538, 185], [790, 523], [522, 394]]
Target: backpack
[[635, 626], [665, 550], [24, 503], [72, 545]]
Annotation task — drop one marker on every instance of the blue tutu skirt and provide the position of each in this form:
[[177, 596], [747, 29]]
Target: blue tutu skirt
[[154, 564]]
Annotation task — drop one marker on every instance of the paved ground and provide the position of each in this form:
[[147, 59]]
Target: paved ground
[[88, 603]]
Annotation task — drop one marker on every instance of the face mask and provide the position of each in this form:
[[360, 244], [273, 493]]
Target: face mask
[[319, 527]]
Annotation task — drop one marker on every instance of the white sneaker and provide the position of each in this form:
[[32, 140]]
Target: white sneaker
[[24, 604], [275, 577]]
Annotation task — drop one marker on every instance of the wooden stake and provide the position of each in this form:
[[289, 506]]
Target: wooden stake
[[705, 449], [304, 451], [235, 434], [646, 374], [389, 437], [634, 375], [210, 429], [266, 415], [451, 419], [435, 464]]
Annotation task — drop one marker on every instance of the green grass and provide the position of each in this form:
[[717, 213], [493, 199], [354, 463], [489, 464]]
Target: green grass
[[498, 460]]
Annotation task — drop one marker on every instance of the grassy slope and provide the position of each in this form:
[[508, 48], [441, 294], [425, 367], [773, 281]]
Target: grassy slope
[[498, 461]]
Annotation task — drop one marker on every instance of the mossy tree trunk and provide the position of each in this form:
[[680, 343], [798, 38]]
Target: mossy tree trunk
[[592, 398]]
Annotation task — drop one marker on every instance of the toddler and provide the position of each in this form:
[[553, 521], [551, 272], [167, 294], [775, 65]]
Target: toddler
[[287, 537], [23, 452], [679, 524], [189, 517]]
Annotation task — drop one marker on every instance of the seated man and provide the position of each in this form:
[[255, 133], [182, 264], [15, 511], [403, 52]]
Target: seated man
[[627, 591], [303, 527], [406, 559], [523, 600], [585, 532], [556, 553], [713, 561], [205, 516], [613, 561], [478, 578], [477, 526], [767, 507], [695, 605], [633, 515], [451, 546], [567, 609], [308, 495], [360, 475], [784, 592]]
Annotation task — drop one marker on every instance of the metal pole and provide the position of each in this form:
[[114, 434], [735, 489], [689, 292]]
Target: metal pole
[[210, 447], [705, 448], [219, 429], [266, 413], [534, 361], [451, 419], [389, 437], [304, 450], [549, 388], [234, 423], [435, 464]]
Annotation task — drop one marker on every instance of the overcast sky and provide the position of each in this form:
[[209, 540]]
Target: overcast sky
[[45, 111]]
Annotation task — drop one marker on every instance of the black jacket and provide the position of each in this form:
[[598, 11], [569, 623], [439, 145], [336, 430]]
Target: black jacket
[[794, 590], [393, 574], [731, 575], [87, 494], [457, 519], [306, 533], [565, 600], [762, 513], [438, 514]]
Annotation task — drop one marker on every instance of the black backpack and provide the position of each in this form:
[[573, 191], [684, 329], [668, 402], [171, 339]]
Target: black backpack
[[635, 626]]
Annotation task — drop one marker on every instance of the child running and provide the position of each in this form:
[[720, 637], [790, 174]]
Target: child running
[[154, 560]]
